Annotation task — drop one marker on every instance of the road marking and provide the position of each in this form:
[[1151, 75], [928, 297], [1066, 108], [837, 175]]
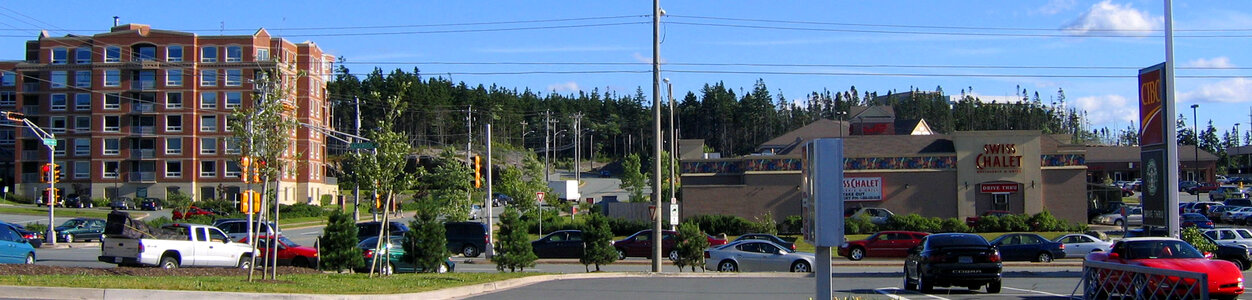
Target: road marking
[[884, 291], [1038, 292]]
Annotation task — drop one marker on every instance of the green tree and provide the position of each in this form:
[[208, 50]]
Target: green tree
[[444, 190], [178, 200], [512, 244], [1196, 238], [597, 242], [632, 179], [338, 243], [515, 182], [690, 246], [425, 244]]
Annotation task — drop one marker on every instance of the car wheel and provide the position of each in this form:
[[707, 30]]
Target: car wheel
[[386, 269], [908, 284], [30, 258], [673, 255], [1044, 257], [727, 266], [69, 238], [1118, 223], [470, 251], [801, 267], [994, 287], [245, 262], [621, 254], [857, 253], [169, 262], [924, 285], [1243, 265], [443, 268]]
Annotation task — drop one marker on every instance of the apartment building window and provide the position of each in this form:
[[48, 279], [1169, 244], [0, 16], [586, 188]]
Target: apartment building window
[[82, 123], [174, 53], [60, 55], [232, 169], [60, 148], [58, 79], [112, 101], [208, 168], [208, 145], [6, 137], [174, 123], [234, 99], [112, 77], [208, 123], [58, 102], [82, 79], [262, 54], [82, 101], [208, 100], [173, 169], [174, 77], [231, 145], [8, 98], [8, 78], [208, 77], [174, 146], [145, 53], [82, 169], [82, 147], [208, 54], [234, 77], [112, 54], [111, 168], [112, 147], [174, 100], [56, 124], [234, 54], [112, 124], [82, 55]]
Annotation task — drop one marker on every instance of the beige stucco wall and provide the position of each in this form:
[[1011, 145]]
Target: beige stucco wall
[[1022, 147]]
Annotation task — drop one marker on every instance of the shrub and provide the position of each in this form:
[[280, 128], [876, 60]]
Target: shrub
[[624, 227], [913, 222], [37, 227], [730, 225], [338, 244], [988, 224], [1015, 223], [597, 239], [690, 246], [328, 200], [1195, 237], [512, 244], [100, 202], [158, 222], [766, 224], [1044, 221], [425, 243], [858, 225], [954, 225], [200, 219], [300, 210], [791, 225]]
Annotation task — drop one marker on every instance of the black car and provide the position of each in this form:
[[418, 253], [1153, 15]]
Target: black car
[[767, 237], [467, 238], [152, 204], [122, 203], [1232, 253], [79, 201], [559, 244], [499, 199], [1028, 247], [953, 259], [367, 230], [34, 238]]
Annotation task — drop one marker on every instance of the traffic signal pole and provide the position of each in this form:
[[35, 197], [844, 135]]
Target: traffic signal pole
[[49, 140]]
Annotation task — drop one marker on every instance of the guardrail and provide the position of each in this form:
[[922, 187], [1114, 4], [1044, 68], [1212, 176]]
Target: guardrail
[[1101, 280]]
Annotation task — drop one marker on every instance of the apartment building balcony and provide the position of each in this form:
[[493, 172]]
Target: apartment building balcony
[[143, 153], [143, 129], [141, 177], [142, 108], [143, 85], [31, 154], [30, 110], [30, 87]]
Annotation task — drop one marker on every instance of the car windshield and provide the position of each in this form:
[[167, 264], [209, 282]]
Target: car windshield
[[1192, 217], [1161, 249], [947, 240], [74, 223], [287, 242]]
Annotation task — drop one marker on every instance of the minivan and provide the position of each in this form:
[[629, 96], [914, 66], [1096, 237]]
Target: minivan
[[366, 230], [467, 238]]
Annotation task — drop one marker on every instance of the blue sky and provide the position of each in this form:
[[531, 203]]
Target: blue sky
[[1091, 49]]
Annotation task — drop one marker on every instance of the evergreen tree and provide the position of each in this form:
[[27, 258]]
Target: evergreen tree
[[338, 243], [512, 244], [597, 239], [690, 246], [425, 244], [633, 180]]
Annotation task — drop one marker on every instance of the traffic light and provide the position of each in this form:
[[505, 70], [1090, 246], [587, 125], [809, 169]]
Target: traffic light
[[56, 172], [245, 201], [246, 164], [43, 173], [378, 201], [478, 171], [256, 172]]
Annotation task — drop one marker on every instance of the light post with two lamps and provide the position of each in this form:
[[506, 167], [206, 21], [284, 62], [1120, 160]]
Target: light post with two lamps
[[1195, 131]]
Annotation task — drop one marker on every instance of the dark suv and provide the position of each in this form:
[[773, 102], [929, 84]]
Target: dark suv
[[467, 238], [366, 230]]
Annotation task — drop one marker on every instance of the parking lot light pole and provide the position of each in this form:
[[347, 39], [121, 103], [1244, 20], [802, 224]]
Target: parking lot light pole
[[1195, 132]]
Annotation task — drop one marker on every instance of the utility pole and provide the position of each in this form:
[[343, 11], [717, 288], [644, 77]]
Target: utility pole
[[523, 134], [656, 137], [547, 145], [673, 152], [490, 251], [356, 186], [469, 140], [578, 119]]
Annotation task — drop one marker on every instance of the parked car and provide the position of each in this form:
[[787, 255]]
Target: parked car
[[499, 199], [1077, 245], [191, 212], [953, 259], [1227, 192], [1235, 214], [152, 204], [1237, 254], [1202, 207], [365, 230], [475, 211], [640, 244], [289, 253], [766, 237], [1203, 187], [79, 201], [1238, 202], [237, 229], [1194, 220], [1225, 280], [467, 238], [1230, 236], [80, 229], [757, 256], [1186, 185], [122, 203], [876, 215], [1216, 212], [882, 244], [393, 252], [605, 173], [14, 249], [34, 238], [1028, 247], [559, 244], [973, 221], [1134, 217]]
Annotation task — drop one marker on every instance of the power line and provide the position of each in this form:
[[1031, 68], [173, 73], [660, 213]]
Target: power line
[[770, 65], [385, 26], [1060, 35], [934, 26]]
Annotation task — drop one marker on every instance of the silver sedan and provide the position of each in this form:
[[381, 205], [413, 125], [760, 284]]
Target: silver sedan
[[1078, 245], [756, 256]]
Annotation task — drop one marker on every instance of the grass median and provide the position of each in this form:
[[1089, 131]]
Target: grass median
[[59, 212], [342, 284]]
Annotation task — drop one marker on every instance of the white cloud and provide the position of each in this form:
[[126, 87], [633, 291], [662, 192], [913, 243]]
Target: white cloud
[[644, 59], [1235, 90], [1216, 62], [1056, 6], [1108, 109], [566, 87], [1107, 18]]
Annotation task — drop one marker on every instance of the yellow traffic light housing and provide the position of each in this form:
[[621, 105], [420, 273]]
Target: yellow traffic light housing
[[245, 201], [56, 172], [43, 173], [378, 201], [246, 164], [478, 171]]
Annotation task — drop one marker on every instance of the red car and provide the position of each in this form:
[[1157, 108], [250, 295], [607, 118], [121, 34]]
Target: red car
[[191, 212], [1225, 280], [640, 244], [973, 221], [882, 244], [289, 253]]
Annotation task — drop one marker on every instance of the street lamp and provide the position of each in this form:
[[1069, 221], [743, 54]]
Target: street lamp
[[839, 115], [1195, 131], [673, 144]]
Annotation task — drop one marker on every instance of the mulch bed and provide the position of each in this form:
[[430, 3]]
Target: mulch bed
[[20, 269]]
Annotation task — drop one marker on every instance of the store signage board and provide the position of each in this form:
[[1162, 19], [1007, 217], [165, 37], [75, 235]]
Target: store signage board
[[822, 201], [1154, 162], [856, 189]]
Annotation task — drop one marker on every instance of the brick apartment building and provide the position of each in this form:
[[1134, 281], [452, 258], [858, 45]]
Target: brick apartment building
[[141, 112]]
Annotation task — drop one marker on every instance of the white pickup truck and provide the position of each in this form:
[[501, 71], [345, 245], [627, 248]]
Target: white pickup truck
[[175, 246]]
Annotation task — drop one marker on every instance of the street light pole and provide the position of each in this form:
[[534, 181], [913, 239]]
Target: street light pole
[[673, 150], [656, 137], [1195, 132]]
